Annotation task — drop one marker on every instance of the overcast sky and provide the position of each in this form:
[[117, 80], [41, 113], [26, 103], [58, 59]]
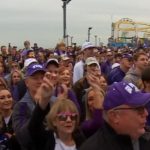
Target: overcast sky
[[41, 21]]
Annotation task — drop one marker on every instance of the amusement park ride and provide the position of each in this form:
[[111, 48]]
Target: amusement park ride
[[128, 32]]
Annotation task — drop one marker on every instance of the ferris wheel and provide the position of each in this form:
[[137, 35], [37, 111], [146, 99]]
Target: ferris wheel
[[126, 30]]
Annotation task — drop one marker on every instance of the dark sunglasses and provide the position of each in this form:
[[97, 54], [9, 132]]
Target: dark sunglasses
[[64, 116], [140, 110]]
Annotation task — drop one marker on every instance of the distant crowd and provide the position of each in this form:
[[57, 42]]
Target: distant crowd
[[74, 98]]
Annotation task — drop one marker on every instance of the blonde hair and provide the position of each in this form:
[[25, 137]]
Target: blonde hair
[[61, 70], [60, 44], [88, 114], [57, 107], [15, 71], [4, 84]]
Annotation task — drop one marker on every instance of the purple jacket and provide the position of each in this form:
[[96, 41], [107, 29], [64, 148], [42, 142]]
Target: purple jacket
[[71, 96], [106, 67], [89, 127]]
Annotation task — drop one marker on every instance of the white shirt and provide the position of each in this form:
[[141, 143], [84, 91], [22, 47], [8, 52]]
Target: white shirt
[[6, 119], [78, 71], [115, 65], [61, 146]]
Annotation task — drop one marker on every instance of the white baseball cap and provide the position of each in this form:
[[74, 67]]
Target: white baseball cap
[[65, 58], [28, 61], [91, 60], [87, 45], [52, 60]]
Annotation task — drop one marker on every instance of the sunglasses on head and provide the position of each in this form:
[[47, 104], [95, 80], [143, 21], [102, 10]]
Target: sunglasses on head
[[64, 116]]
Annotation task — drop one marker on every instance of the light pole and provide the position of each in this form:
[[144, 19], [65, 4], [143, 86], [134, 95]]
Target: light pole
[[65, 2], [95, 40], [89, 29], [99, 41], [67, 36], [71, 38]]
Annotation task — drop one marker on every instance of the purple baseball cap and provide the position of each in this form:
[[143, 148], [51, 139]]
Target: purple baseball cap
[[33, 68], [124, 93], [128, 56]]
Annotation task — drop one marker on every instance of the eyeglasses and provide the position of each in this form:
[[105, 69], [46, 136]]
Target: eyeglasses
[[64, 116], [140, 110]]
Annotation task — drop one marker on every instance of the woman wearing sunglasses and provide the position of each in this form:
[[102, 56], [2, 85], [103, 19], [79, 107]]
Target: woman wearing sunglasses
[[60, 130]]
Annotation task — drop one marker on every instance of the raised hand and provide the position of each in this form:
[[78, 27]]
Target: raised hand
[[63, 92], [99, 98], [94, 80], [45, 90]]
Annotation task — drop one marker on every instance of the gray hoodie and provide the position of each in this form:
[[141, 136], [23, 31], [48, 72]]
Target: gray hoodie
[[132, 76]]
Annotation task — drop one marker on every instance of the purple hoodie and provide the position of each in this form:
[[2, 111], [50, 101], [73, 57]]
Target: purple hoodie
[[89, 127], [71, 96]]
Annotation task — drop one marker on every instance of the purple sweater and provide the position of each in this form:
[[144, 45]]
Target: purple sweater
[[71, 96], [89, 127]]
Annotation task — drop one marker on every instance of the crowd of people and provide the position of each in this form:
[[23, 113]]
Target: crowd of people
[[74, 98]]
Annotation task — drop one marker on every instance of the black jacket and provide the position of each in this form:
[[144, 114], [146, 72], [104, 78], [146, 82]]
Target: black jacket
[[44, 139], [79, 89], [107, 139], [11, 142]]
